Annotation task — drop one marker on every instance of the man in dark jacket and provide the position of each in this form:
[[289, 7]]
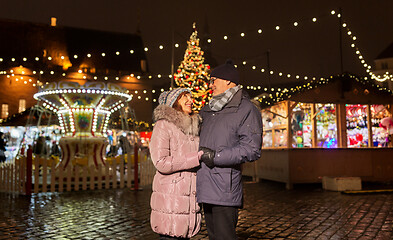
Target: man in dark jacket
[[231, 134]]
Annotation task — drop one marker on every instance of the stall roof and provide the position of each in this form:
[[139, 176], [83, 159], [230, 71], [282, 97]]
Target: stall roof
[[345, 88]]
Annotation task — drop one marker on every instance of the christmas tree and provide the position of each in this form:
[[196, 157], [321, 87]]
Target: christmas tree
[[193, 73]]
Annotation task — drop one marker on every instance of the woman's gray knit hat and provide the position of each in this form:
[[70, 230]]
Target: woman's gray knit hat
[[169, 97]]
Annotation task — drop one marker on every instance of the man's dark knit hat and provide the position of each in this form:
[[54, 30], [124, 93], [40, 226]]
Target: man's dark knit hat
[[226, 71]]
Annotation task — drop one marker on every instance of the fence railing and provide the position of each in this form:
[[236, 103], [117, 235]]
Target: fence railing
[[31, 174]]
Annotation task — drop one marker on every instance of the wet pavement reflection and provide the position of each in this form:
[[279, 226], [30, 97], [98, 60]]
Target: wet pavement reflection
[[270, 212]]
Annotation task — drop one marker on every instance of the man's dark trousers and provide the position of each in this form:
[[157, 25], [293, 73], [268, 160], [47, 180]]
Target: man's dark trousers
[[221, 221]]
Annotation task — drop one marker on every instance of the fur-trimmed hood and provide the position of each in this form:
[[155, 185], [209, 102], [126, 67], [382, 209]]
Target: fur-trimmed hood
[[188, 124]]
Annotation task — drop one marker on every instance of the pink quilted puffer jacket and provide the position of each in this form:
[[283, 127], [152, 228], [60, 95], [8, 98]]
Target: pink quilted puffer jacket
[[174, 152]]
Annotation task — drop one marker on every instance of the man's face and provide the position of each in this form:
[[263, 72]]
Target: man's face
[[218, 85]]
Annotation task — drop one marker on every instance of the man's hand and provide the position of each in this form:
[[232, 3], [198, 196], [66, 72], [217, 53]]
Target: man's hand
[[207, 156]]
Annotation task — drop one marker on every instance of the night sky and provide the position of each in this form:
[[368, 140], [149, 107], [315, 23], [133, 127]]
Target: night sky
[[310, 49]]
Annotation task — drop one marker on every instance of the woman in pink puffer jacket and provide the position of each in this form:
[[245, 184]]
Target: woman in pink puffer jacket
[[174, 152]]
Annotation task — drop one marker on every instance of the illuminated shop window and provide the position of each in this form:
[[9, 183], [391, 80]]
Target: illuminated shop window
[[326, 125], [381, 125], [22, 105], [357, 131], [301, 126], [4, 110], [358, 127], [275, 126]]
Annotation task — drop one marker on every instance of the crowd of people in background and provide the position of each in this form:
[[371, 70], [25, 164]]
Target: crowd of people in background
[[2, 148], [123, 143], [45, 146]]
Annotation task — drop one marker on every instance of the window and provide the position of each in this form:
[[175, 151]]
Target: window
[[4, 110], [22, 105]]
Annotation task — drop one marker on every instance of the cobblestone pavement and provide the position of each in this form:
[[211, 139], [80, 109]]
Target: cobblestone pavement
[[270, 212]]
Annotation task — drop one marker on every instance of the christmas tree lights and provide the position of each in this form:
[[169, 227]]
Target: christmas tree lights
[[193, 73]]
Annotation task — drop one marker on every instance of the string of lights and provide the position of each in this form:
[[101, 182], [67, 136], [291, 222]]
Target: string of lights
[[274, 95], [162, 47], [38, 74], [380, 78]]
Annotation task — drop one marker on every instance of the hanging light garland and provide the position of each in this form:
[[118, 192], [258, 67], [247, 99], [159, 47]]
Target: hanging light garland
[[273, 95], [380, 78], [162, 47]]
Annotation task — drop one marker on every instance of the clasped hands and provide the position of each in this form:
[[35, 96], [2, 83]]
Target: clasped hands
[[207, 156]]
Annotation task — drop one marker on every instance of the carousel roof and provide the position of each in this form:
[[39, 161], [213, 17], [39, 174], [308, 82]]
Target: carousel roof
[[345, 88]]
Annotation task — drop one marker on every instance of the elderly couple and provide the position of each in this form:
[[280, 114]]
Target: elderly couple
[[205, 170]]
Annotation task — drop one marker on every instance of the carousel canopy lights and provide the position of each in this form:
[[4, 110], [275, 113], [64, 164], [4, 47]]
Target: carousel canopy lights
[[83, 110]]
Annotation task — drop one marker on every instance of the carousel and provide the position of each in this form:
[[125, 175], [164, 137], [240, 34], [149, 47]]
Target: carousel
[[83, 113]]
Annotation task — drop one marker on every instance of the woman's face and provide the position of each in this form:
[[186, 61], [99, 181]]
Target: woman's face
[[186, 103]]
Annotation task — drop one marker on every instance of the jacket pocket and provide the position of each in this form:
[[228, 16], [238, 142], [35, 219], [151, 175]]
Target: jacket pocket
[[170, 179], [222, 179]]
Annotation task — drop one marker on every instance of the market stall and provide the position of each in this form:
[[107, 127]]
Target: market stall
[[339, 126], [34, 127]]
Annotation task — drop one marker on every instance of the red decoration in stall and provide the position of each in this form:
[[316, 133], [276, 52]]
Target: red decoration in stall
[[359, 137]]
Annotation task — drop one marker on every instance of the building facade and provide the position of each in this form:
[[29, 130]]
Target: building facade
[[384, 66]]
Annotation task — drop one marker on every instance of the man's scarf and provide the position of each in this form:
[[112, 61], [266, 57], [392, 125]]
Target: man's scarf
[[219, 101]]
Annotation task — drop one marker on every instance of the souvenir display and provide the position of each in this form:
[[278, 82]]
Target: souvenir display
[[275, 126]]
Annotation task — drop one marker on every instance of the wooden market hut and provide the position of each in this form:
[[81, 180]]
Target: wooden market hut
[[286, 158]]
